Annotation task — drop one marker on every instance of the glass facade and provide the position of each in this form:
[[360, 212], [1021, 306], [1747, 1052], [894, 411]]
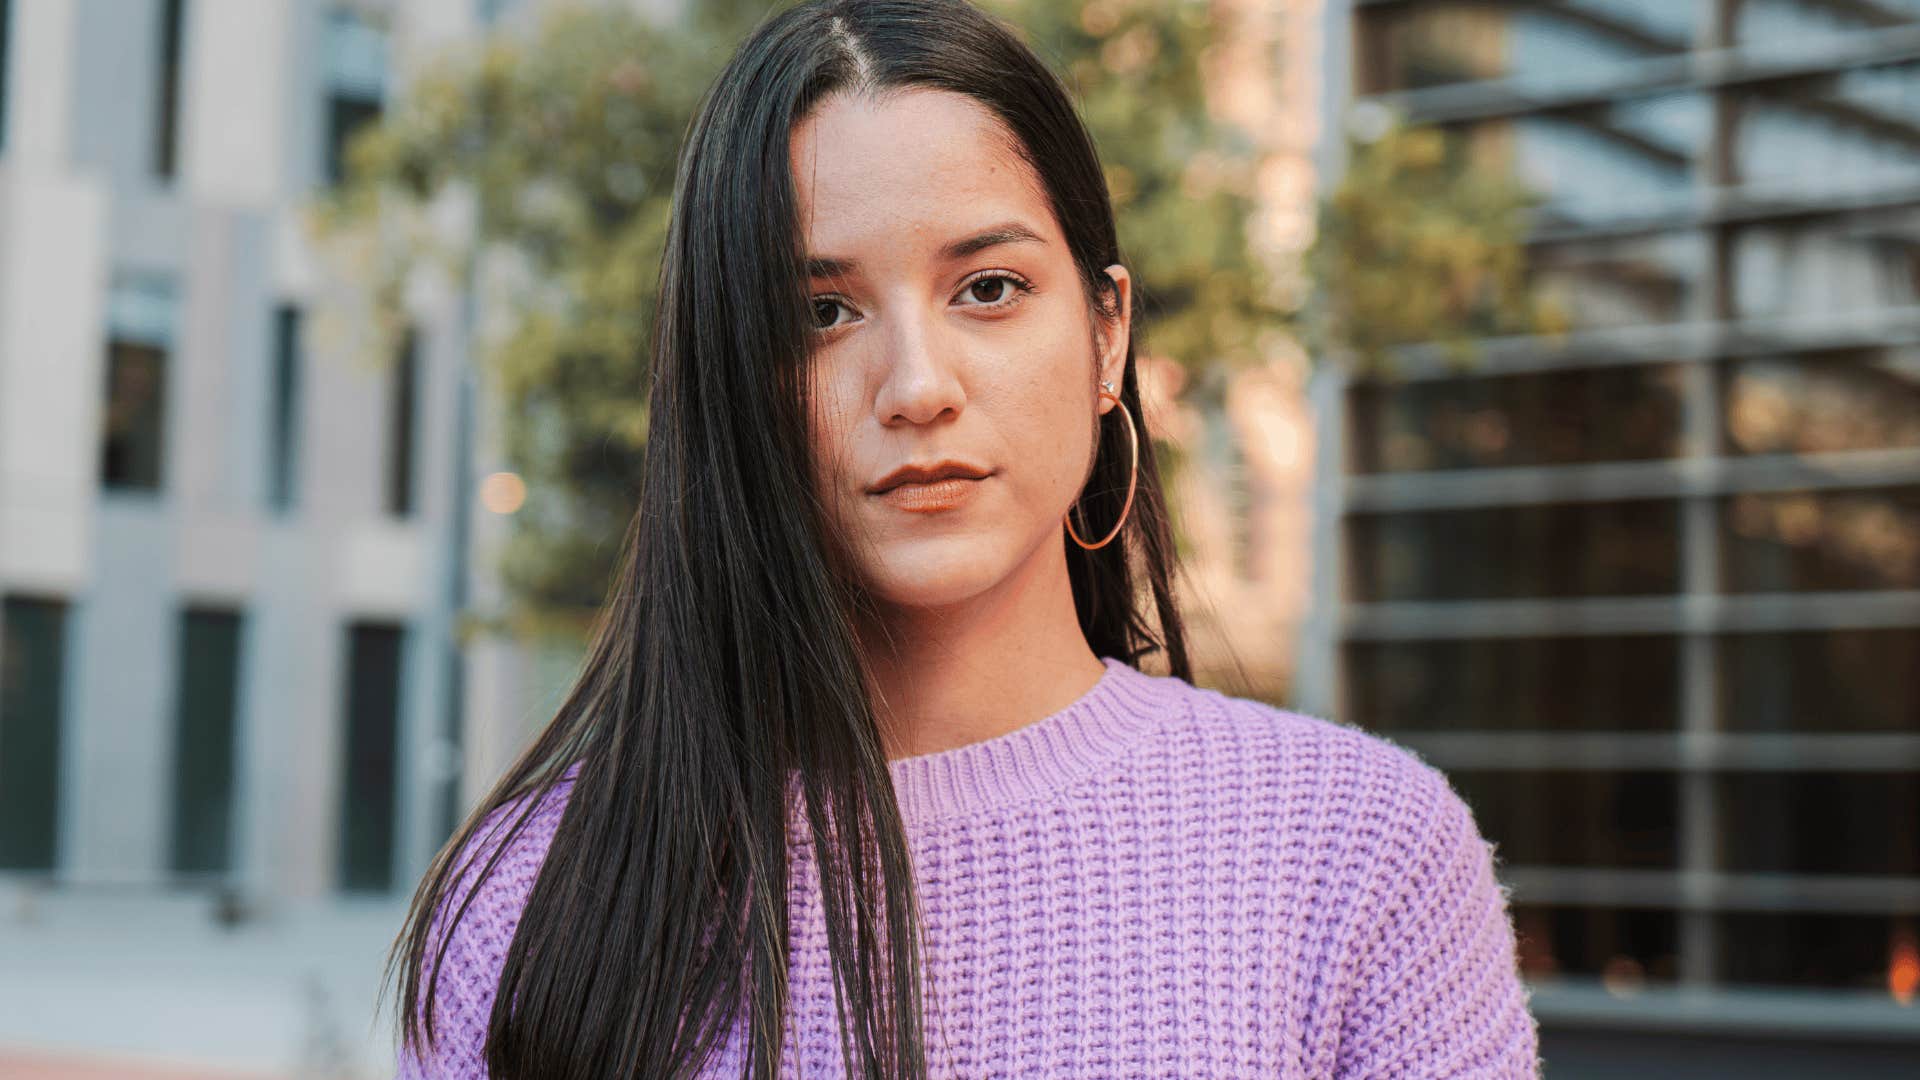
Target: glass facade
[[1649, 593]]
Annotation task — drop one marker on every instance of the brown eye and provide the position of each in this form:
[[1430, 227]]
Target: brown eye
[[996, 285], [823, 312]]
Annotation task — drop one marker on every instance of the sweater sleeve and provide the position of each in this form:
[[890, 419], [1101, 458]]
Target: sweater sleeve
[[462, 1003], [1439, 992], [477, 950]]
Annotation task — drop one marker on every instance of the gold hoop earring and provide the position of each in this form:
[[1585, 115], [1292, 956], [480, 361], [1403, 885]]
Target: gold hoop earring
[[1133, 475]]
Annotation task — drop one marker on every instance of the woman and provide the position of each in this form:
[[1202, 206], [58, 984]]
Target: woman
[[860, 776]]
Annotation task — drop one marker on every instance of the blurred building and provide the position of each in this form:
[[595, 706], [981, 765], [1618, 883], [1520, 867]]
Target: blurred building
[[1650, 593], [232, 722]]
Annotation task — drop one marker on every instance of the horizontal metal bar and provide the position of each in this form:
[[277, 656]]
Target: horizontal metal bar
[[1614, 481], [1680, 750], [1737, 205], [1571, 1001], [1657, 343], [1702, 69], [1710, 891], [1680, 614]]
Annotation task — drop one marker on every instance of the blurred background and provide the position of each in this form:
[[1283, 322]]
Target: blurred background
[[1540, 382]]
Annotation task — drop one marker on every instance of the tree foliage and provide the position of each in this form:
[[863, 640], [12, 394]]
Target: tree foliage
[[1420, 242]]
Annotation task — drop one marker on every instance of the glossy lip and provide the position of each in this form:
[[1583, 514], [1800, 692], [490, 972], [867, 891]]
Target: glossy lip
[[927, 474]]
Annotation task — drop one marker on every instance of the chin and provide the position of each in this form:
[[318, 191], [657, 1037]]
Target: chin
[[935, 574]]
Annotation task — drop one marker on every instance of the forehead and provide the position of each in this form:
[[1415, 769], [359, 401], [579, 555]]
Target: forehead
[[914, 164]]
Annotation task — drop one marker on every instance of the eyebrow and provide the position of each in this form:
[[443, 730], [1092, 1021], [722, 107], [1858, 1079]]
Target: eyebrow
[[1008, 232]]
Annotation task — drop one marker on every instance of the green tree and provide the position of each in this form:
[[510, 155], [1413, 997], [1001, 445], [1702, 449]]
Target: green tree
[[1421, 240], [560, 147]]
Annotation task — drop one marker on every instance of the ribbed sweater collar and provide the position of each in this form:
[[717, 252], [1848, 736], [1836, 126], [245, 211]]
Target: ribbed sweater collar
[[1042, 757]]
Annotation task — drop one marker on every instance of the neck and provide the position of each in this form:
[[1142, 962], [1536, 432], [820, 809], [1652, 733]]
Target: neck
[[957, 675]]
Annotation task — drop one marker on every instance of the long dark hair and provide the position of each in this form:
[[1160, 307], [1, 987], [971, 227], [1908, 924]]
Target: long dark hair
[[726, 657]]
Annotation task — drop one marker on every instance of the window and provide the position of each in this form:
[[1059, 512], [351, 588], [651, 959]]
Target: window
[[136, 400], [1628, 682], [32, 672], [6, 29], [203, 745], [1818, 681], [1506, 552], [1821, 822], [356, 74], [1815, 949], [1617, 943], [166, 147], [1543, 418], [1576, 817], [402, 405], [1866, 399], [1827, 540], [283, 430], [369, 766], [140, 336]]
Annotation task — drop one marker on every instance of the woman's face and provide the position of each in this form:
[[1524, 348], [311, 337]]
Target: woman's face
[[951, 325]]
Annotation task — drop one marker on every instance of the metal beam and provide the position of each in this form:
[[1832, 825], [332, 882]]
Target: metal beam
[[1660, 343], [1664, 751], [1667, 615], [1614, 481], [1703, 69]]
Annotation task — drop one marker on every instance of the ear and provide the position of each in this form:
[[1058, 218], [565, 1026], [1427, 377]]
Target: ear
[[1116, 331]]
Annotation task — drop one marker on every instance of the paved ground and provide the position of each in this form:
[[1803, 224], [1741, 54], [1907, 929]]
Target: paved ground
[[150, 988]]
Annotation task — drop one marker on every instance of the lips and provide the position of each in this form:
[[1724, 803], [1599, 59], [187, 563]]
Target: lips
[[927, 474]]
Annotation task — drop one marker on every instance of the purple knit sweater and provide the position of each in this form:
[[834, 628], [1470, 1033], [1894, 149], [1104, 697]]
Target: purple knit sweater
[[1156, 881]]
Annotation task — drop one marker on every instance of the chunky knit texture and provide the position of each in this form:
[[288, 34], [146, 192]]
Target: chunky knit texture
[[1157, 881]]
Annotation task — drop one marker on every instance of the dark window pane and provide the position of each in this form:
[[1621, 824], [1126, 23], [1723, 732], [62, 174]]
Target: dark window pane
[[370, 769], [135, 420], [1626, 944], [1821, 540], [283, 433], [1858, 952], [1820, 823], [1557, 418], [32, 673], [1821, 681], [1800, 23], [1515, 684], [204, 742], [1867, 400], [167, 121], [1560, 550], [1575, 817], [1831, 135], [346, 115], [1623, 281], [6, 56], [403, 403], [1822, 266]]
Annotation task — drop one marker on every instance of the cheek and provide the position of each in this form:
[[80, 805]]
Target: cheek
[[830, 428], [1044, 400]]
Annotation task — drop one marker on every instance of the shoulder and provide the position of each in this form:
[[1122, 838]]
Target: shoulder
[[462, 980], [1368, 770], [1374, 807]]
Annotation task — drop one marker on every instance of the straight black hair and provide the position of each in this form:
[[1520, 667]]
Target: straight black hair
[[726, 656]]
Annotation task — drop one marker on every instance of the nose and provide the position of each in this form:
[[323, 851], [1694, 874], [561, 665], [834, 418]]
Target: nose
[[921, 380]]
